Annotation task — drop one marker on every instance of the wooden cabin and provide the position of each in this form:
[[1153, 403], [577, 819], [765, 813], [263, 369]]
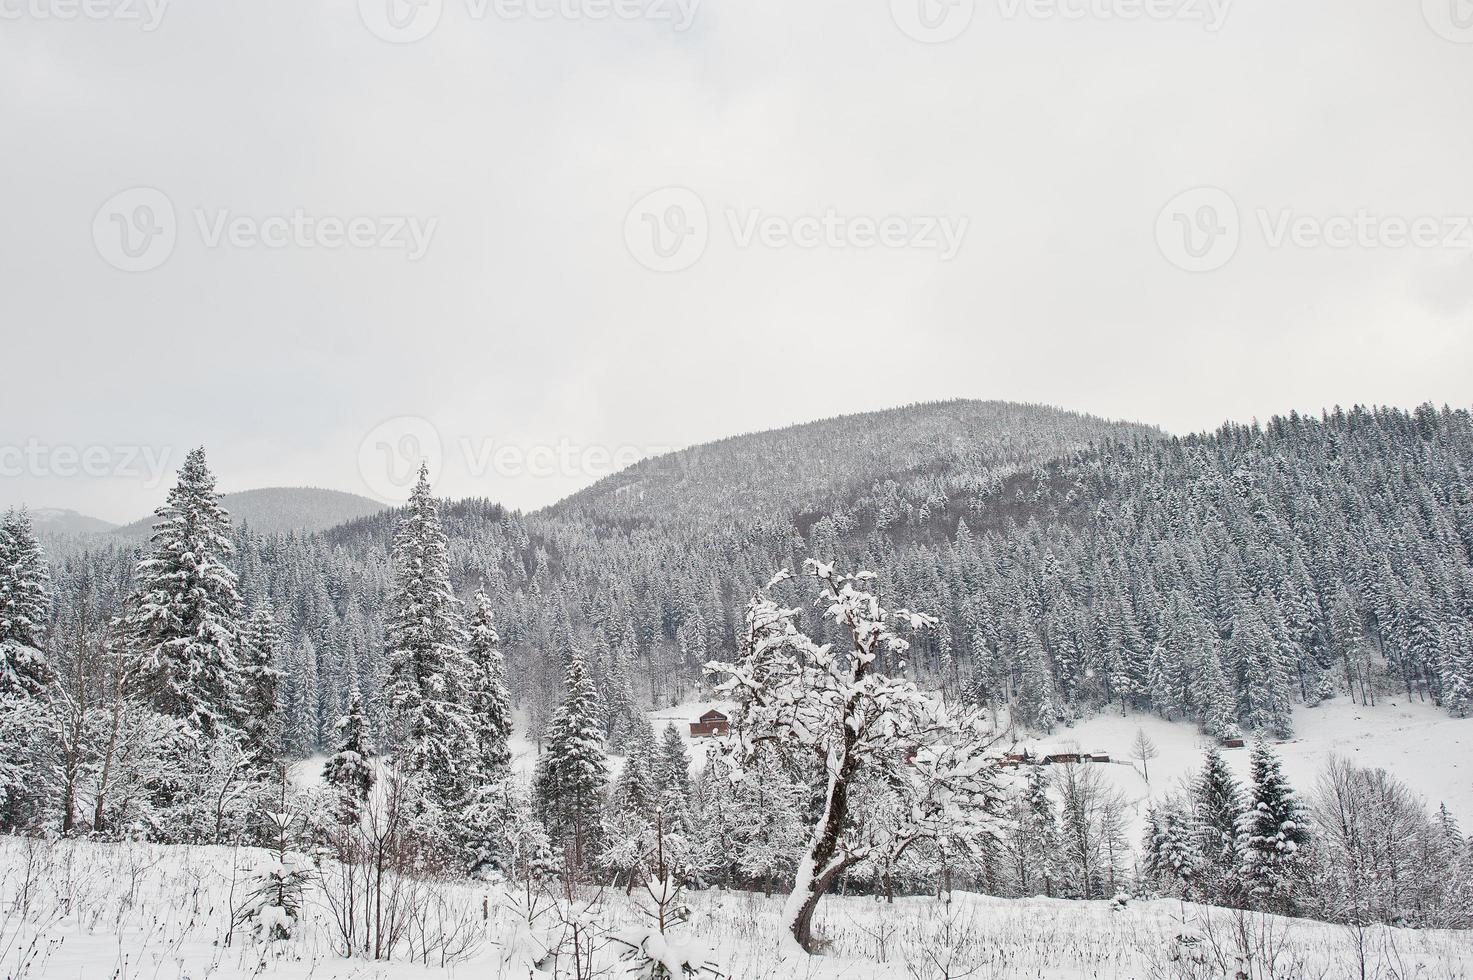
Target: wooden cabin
[[710, 724], [1061, 758], [1232, 743]]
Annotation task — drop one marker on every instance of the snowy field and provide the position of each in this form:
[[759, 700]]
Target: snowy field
[[1420, 744], [83, 910]]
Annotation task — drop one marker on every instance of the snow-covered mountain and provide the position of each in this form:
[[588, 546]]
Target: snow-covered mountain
[[816, 467], [274, 510], [56, 520]]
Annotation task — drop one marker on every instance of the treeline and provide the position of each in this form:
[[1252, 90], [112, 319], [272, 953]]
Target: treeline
[[1222, 578], [171, 721]]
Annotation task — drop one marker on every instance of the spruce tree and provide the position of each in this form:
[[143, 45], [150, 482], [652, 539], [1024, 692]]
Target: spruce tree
[[628, 826], [260, 684], [1040, 830], [183, 623], [1173, 861], [348, 773], [571, 775], [487, 703], [1273, 831], [672, 767], [24, 608], [1217, 807], [424, 640]]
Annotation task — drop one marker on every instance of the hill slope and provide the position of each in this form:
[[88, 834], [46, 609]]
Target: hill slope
[[54, 520], [276, 510], [815, 467]]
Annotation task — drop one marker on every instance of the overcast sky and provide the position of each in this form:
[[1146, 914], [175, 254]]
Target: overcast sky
[[290, 229]]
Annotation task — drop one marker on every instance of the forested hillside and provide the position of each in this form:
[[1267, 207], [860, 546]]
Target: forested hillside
[[1222, 577], [876, 461]]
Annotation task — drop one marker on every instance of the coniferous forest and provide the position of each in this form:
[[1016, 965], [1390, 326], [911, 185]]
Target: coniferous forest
[[956, 573]]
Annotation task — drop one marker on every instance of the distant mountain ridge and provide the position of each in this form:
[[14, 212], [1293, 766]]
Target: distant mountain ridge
[[817, 467], [278, 510], [57, 520]]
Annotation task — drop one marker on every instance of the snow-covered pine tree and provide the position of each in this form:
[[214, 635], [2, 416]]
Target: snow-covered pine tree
[[24, 608], [487, 812], [25, 673], [1456, 670], [1172, 860], [183, 622], [487, 702], [1036, 838], [424, 648], [1217, 808], [1263, 698], [766, 825], [348, 774], [274, 905], [672, 768], [260, 684], [629, 818], [571, 775], [1274, 831]]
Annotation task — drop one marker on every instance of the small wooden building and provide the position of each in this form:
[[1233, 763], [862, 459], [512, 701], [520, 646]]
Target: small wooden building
[[1061, 758], [1232, 743], [711, 723]]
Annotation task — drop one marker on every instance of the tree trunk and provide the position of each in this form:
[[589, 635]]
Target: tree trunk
[[816, 871]]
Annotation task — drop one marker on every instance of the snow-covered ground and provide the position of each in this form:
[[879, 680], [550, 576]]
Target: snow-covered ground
[[82, 910], [1421, 744]]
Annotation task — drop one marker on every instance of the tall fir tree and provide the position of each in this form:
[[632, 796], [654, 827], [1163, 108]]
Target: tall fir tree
[[183, 623], [487, 703], [24, 608], [424, 642], [260, 684], [571, 775], [1217, 808], [672, 766], [1037, 853]]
